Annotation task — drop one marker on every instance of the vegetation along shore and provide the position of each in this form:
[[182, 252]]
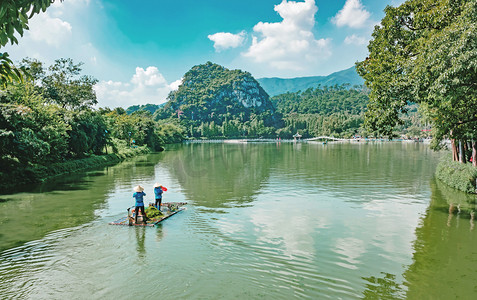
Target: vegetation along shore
[[48, 114]]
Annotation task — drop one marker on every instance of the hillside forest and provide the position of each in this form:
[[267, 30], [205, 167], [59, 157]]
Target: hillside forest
[[50, 117], [207, 105]]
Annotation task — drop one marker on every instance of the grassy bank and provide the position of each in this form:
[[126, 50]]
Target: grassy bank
[[40, 173], [457, 175]]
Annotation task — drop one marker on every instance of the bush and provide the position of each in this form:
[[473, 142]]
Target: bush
[[36, 174], [457, 175]]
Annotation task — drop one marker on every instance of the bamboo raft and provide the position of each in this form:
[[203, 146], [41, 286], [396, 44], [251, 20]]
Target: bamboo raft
[[168, 209]]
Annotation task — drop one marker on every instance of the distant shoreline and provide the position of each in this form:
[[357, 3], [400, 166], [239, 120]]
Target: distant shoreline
[[258, 140]]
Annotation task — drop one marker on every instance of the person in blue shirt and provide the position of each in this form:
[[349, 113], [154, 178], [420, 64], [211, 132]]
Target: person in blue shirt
[[139, 196], [158, 195]]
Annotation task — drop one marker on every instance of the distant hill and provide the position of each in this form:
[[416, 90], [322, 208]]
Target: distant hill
[[275, 86], [147, 107], [210, 92]]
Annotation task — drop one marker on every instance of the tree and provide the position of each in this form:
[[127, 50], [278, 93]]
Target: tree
[[65, 87], [35, 69], [31, 132], [14, 15], [424, 51]]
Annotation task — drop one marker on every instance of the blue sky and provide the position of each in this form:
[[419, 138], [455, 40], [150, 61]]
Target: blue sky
[[139, 50]]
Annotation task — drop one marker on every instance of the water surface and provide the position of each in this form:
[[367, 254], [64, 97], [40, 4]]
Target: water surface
[[271, 220]]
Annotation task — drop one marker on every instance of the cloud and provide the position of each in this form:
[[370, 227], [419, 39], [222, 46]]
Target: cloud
[[226, 40], [175, 85], [289, 44], [355, 40], [146, 86], [60, 32], [52, 31], [352, 14]]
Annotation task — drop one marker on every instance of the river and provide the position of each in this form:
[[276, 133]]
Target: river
[[263, 220]]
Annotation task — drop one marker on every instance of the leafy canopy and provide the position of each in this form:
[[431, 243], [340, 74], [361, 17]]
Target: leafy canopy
[[14, 16], [424, 51]]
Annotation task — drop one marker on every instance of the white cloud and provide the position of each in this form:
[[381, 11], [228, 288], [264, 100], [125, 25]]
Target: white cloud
[[226, 40], [146, 86], [354, 40], [175, 85], [52, 31], [353, 15], [289, 44], [148, 78], [60, 32]]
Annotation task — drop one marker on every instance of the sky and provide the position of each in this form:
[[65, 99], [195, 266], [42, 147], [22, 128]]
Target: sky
[[139, 50]]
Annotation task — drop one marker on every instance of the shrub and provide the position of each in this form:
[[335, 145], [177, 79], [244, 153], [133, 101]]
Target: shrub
[[457, 175]]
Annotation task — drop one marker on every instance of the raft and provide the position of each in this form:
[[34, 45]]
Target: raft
[[168, 209]]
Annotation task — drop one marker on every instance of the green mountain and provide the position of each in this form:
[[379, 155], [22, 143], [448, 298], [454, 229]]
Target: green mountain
[[210, 92], [275, 86], [146, 107]]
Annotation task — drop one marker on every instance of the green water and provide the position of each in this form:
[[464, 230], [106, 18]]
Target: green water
[[263, 220]]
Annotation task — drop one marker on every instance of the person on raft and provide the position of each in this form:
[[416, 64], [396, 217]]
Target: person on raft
[[158, 194], [139, 196]]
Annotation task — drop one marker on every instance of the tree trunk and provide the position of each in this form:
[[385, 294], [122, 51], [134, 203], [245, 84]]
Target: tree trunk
[[462, 159], [474, 153], [455, 156]]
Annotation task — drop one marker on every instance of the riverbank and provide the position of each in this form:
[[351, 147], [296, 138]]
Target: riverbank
[[459, 176], [40, 173]]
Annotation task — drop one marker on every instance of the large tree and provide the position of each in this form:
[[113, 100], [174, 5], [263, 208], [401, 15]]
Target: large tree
[[14, 16], [425, 51], [65, 86]]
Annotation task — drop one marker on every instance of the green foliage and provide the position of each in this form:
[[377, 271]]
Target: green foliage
[[37, 130], [14, 15], [8, 72], [152, 212], [21, 175], [64, 86], [88, 134], [334, 111], [32, 131], [214, 101], [147, 107], [139, 128], [457, 175], [425, 52], [323, 101], [170, 133]]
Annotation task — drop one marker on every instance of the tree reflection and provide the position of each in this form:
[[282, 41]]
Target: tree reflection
[[445, 258], [384, 287]]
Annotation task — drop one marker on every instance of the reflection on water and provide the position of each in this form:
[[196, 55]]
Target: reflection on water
[[274, 221], [445, 258], [140, 238], [66, 202], [219, 175], [383, 287]]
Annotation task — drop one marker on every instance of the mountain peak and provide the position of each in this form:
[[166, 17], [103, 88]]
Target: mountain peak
[[210, 90], [275, 86]]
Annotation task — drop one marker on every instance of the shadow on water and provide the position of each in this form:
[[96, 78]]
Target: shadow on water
[[66, 201], [445, 258]]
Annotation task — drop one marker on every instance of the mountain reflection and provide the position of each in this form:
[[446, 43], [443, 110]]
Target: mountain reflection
[[220, 175]]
